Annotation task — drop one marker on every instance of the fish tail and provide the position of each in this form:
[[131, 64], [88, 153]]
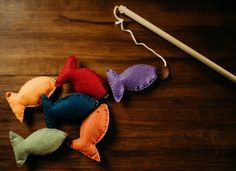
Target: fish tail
[[116, 85], [47, 105], [17, 108], [65, 73], [88, 150], [18, 148]]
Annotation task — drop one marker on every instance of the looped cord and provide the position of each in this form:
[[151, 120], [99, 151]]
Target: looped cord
[[121, 21]]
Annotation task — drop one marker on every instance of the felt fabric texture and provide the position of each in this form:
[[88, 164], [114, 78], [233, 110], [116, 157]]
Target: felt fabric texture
[[41, 142], [134, 78], [73, 107], [83, 80], [92, 130], [30, 95]]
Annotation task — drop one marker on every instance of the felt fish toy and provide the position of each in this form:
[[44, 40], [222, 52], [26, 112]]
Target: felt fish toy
[[92, 130], [73, 107], [30, 95], [43, 141], [134, 78], [83, 80]]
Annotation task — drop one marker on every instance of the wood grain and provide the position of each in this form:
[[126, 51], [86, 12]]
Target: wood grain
[[187, 122]]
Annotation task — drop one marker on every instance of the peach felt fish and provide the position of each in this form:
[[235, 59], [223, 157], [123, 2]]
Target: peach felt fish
[[83, 80], [92, 130], [30, 95]]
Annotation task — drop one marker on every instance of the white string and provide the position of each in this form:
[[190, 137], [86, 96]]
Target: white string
[[121, 21]]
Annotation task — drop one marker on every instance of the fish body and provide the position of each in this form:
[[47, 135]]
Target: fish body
[[30, 94], [73, 107], [92, 130], [43, 141], [134, 78], [83, 80]]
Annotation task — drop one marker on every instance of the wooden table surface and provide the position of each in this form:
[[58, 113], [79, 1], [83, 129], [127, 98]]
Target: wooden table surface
[[187, 122]]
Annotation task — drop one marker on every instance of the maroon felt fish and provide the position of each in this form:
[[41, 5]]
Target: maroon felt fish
[[83, 80]]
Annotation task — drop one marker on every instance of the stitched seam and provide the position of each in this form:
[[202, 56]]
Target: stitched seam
[[106, 126], [109, 80]]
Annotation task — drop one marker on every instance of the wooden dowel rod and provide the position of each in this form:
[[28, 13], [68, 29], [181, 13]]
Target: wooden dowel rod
[[179, 44]]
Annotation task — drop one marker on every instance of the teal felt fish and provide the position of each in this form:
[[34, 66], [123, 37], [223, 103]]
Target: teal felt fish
[[44, 141], [73, 107]]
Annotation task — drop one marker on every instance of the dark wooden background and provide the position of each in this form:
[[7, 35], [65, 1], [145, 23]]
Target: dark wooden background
[[187, 122]]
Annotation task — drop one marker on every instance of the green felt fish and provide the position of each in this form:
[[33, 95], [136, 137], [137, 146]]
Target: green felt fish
[[41, 142]]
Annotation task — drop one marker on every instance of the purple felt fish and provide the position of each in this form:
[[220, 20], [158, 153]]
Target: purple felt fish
[[134, 78]]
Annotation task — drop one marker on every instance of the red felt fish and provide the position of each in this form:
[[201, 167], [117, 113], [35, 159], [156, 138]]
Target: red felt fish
[[83, 80]]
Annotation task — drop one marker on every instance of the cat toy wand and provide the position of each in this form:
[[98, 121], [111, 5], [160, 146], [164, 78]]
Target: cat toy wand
[[123, 10]]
